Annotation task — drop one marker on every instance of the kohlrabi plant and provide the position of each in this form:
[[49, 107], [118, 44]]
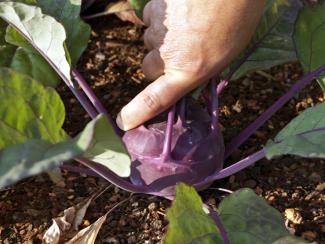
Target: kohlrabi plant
[[40, 44]]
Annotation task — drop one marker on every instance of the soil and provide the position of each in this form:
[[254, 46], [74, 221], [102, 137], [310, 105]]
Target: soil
[[112, 66]]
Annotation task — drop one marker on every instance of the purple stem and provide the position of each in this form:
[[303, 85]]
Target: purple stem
[[79, 170], [218, 222], [93, 99], [237, 141], [214, 105], [89, 92], [166, 154], [221, 86], [83, 101], [244, 163], [108, 175]]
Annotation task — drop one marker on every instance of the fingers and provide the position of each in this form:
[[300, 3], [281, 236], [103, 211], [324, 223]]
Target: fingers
[[146, 14], [156, 98], [153, 65]]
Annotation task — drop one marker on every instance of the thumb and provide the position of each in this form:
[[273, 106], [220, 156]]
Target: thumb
[[154, 99]]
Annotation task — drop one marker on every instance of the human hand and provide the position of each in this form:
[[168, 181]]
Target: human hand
[[190, 41]]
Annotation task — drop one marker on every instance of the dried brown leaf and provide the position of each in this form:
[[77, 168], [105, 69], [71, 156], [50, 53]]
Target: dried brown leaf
[[81, 211], [72, 217], [59, 226], [88, 235], [117, 7]]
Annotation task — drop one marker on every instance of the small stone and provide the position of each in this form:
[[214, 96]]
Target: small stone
[[70, 197], [135, 204], [293, 215], [100, 56], [132, 31], [295, 195], [111, 240], [61, 184], [284, 194], [85, 223], [270, 199], [320, 187], [237, 107], [310, 196], [152, 206]]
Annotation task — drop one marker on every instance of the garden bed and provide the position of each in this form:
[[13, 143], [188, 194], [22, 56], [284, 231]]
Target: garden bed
[[111, 65]]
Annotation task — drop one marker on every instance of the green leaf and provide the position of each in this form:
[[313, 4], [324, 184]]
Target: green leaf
[[249, 219], [35, 156], [246, 217], [309, 145], [23, 160], [67, 12], [272, 42], [28, 110], [34, 65], [303, 136], [43, 32], [138, 6], [109, 150], [291, 240], [188, 223], [28, 61], [15, 38], [25, 60], [309, 38], [309, 119]]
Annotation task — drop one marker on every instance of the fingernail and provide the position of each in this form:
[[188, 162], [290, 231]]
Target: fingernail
[[119, 121]]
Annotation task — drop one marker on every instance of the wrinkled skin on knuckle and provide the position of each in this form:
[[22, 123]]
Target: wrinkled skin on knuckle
[[152, 101]]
